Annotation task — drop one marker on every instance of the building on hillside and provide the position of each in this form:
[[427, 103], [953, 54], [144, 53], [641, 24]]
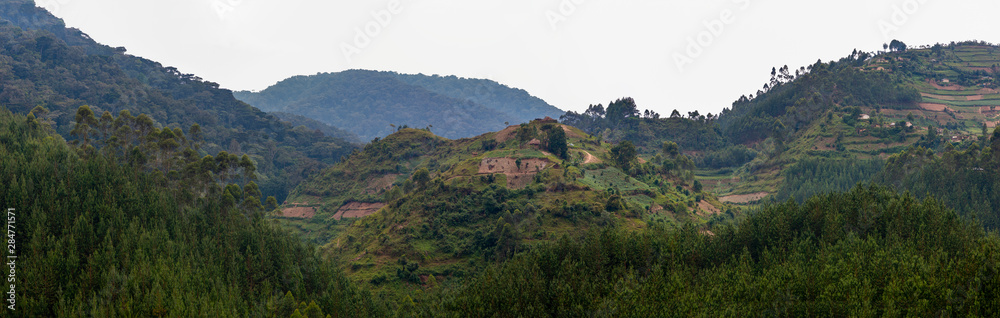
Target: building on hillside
[[864, 117]]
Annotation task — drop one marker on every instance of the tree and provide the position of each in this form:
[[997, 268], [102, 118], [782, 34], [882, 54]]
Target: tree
[[557, 142], [897, 46], [623, 155], [421, 177], [670, 149]]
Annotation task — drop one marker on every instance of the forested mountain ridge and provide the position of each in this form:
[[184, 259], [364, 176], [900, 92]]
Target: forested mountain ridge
[[370, 103], [508, 100], [853, 113], [42, 63]]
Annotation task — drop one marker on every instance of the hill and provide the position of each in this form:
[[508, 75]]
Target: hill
[[823, 127], [370, 103], [46, 64], [427, 205]]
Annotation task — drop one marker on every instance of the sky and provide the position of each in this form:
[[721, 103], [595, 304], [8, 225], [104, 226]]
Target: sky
[[667, 54]]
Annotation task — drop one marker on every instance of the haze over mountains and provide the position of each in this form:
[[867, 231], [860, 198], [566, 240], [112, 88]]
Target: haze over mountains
[[865, 186], [60, 69], [371, 104]]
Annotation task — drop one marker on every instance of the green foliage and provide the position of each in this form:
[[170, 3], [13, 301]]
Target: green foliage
[[109, 239], [557, 142], [623, 155], [967, 180], [809, 177], [868, 252]]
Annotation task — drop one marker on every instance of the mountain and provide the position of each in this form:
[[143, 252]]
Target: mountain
[[369, 103], [490, 94], [60, 69]]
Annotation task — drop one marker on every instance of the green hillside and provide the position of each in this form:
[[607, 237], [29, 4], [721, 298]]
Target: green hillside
[[852, 113], [42, 63], [449, 207], [371, 103]]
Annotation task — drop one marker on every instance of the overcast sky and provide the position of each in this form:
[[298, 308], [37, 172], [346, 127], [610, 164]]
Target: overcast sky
[[667, 54]]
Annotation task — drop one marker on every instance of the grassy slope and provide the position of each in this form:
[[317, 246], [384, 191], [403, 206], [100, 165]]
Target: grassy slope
[[443, 225]]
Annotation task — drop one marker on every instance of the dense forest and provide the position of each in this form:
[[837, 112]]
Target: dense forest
[[45, 64], [867, 252], [133, 223], [968, 180], [371, 103]]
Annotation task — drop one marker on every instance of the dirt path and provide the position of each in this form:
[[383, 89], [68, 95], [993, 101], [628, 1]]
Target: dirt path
[[744, 198], [589, 158]]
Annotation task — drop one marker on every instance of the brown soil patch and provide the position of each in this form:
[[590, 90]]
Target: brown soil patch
[[988, 91], [945, 88], [357, 210], [744, 198], [641, 161], [933, 107], [974, 97], [992, 124], [589, 158], [517, 177], [506, 134], [306, 212], [707, 209]]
